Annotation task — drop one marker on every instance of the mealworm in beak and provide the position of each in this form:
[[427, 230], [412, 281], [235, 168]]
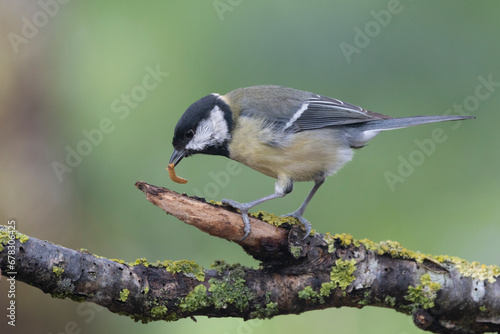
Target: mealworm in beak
[[173, 177]]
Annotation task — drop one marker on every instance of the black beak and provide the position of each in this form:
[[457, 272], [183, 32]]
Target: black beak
[[177, 156]]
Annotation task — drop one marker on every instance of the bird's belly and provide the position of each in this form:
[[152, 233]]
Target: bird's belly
[[303, 156]]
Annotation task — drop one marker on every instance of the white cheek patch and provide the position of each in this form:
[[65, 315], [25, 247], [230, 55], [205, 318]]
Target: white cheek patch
[[210, 132]]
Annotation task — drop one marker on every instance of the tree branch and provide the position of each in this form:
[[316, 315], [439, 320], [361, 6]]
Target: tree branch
[[443, 294], [223, 222]]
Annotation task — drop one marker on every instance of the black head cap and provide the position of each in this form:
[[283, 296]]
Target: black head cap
[[187, 124]]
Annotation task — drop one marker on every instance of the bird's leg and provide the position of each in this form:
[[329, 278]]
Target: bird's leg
[[298, 214], [282, 187], [244, 207]]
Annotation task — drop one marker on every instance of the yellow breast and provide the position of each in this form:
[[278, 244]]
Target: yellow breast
[[301, 156]]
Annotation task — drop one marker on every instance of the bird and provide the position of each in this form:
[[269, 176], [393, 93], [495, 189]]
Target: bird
[[288, 134]]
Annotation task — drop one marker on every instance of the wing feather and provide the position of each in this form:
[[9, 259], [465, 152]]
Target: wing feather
[[324, 112], [293, 111]]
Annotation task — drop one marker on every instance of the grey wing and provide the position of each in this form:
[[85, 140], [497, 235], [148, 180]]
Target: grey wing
[[320, 112]]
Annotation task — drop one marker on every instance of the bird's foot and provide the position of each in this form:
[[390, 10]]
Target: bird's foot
[[307, 225], [243, 207]]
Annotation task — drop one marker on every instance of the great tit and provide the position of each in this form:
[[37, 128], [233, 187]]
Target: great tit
[[288, 134]]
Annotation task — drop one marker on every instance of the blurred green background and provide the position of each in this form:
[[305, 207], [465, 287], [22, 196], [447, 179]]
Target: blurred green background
[[67, 67]]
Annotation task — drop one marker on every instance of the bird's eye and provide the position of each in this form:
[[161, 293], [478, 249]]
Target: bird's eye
[[189, 134]]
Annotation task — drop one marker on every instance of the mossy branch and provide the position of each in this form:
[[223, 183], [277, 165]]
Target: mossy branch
[[443, 294]]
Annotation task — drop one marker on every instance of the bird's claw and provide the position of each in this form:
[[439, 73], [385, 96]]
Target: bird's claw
[[302, 220], [244, 214]]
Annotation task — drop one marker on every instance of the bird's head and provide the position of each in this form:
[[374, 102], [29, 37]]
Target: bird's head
[[205, 127]]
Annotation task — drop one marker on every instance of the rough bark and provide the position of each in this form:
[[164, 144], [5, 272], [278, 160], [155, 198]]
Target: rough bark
[[442, 294]]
